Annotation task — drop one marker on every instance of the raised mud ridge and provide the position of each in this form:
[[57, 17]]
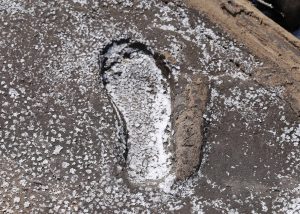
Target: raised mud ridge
[[141, 89], [189, 108]]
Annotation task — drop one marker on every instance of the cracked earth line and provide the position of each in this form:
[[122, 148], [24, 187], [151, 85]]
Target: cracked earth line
[[141, 95]]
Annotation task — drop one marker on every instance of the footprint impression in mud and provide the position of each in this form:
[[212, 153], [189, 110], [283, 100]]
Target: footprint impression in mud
[[140, 93]]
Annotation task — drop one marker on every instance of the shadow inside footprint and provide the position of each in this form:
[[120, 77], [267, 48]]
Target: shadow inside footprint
[[139, 90]]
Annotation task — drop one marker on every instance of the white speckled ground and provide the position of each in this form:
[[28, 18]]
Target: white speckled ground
[[141, 94], [59, 150]]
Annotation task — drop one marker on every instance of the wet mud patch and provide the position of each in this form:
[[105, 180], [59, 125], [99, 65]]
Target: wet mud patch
[[138, 85]]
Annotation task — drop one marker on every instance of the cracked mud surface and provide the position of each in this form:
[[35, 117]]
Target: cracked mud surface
[[60, 148]]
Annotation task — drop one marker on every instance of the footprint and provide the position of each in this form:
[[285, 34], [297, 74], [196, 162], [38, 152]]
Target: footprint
[[139, 90]]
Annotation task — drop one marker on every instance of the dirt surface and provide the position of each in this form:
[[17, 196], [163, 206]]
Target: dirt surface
[[189, 107], [278, 48], [74, 101]]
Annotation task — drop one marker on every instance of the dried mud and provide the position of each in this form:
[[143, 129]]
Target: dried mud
[[60, 126]]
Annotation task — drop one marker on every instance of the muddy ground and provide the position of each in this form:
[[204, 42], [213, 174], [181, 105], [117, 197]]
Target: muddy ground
[[74, 102]]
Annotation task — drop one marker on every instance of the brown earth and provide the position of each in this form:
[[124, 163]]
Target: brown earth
[[266, 39], [189, 108], [59, 144]]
